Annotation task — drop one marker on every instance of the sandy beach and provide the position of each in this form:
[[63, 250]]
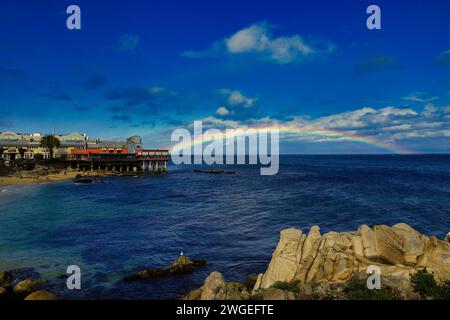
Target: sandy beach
[[51, 177]]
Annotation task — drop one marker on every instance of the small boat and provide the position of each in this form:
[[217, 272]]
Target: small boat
[[84, 180], [87, 179]]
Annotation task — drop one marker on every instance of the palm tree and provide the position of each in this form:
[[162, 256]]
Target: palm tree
[[50, 142], [22, 152]]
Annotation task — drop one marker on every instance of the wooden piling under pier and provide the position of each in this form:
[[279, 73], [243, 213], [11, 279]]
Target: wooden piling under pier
[[142, 161], [123, 167]]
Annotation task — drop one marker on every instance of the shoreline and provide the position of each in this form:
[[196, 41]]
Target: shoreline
[[59, 177], [44, 179]]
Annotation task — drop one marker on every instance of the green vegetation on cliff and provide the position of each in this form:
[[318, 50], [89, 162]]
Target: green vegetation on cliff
[[356, 289], [287, 286], [426, 286]]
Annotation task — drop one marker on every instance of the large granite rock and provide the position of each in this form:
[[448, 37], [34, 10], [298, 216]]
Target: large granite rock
[[334, 257], [276, 294], [215, 288], [319, 266]]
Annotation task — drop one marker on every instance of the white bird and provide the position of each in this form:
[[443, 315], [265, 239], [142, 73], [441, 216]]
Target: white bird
[[181, 253]]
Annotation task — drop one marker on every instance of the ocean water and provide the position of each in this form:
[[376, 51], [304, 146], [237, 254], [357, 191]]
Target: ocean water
[[233, 221]]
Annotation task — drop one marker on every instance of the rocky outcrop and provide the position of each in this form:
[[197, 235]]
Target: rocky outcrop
[[316, 266], [215, 288], [182, 265], [25, 287], [12, 287], [41, 295], [276, 294], [335, 257]]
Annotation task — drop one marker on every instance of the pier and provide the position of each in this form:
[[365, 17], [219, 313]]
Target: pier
[[142, 161]]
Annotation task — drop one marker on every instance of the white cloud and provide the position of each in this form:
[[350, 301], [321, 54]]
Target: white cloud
[[253, 38], [236, 98], [222, 111], [429, 110], [257, 39], [389, 124], [419, 97]]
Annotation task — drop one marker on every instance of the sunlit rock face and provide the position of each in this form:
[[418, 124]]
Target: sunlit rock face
[[334, 257], [313, 265]]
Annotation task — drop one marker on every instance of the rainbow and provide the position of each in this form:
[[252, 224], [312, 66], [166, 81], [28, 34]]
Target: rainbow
[[295, 131]]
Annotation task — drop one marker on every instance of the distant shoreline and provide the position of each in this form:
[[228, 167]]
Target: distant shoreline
[[42, 179]]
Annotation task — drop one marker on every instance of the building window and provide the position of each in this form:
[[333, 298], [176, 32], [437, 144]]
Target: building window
[[28, 155]]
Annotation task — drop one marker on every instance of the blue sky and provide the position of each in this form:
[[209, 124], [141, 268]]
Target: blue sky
[[148, 67]]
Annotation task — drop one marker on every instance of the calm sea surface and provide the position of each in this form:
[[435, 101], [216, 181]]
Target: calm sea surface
[[233, 221]]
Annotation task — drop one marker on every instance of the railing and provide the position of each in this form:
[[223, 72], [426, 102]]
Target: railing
[[103, 157], [113, 157], [117, 157], [152, 157]]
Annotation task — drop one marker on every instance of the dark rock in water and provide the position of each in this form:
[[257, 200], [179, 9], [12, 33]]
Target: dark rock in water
[[182, 265], [5, 278], [87, 179], [147, 274], [185, 261], [199, 262], [84, 180]]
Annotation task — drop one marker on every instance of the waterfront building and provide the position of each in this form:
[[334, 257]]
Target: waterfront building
[[81, 153], [153, 160], [119, 159], [25, 146]]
